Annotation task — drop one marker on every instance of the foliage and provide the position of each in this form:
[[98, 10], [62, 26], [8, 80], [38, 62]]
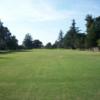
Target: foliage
[[48, 45], [60, 40], [93, 31], [37, 44], [90, 32], [73, 39], [7, 41], [28, 41], [81, 40], [70, 39], [55, 45], [98, 43]]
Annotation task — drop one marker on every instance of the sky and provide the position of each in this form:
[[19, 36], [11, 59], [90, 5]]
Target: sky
[[43, 19]]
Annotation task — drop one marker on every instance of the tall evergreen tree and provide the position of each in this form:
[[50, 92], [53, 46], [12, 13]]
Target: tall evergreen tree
[[91, 36], [60, 39], [93, 31], [97, 28], [81, 39], [70, 39]]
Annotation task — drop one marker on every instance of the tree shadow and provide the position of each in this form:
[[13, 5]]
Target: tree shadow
[[4, 57], [12, 51]]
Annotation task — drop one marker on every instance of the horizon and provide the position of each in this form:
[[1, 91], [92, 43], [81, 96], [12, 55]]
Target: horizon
[[43, 19]]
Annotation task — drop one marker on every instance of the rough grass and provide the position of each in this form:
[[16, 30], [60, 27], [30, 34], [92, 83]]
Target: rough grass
[[50, 75]]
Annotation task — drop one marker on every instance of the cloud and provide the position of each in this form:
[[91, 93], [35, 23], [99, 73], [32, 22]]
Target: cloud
[[32, 10], [42, 10]]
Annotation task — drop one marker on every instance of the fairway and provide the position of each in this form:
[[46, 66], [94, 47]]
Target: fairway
[[50, 75]]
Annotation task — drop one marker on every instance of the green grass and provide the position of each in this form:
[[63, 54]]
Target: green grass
[[50, 75]]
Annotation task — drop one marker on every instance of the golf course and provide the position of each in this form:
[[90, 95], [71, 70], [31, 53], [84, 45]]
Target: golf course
[[50, 75]]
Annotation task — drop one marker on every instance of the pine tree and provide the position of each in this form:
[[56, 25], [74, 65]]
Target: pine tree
[[91, 36], [60, 39], [70, 39], [93, 31]]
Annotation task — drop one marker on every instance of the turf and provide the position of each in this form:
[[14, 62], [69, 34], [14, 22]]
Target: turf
[[50, 75]]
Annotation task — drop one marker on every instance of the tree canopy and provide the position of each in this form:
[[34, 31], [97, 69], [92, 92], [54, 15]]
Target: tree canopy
[[73, 39], [7, 40]]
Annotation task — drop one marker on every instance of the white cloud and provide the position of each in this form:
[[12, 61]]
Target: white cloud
[[34, 10]]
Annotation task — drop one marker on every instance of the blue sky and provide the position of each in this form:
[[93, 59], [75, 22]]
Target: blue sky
[[43, 19]]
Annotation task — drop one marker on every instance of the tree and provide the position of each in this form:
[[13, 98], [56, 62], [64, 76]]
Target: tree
[[48, 46], [98, 43], [81, 39], [12, 43], [2, 44], [3, 36], [70, 39], [60, 39], [7, 41], [55, 45], [93, 31], [97, 28], [28, 41], [91, 36], [37, 44]]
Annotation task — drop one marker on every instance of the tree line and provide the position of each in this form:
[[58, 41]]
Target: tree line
[[10, 42], [73, 39]]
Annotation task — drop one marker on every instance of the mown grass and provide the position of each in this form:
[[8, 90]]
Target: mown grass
[[50, 75]]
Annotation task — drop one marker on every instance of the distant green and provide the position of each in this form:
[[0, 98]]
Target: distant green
[[50, 75]]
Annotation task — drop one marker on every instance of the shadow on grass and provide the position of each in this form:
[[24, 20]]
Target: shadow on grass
[[12, 51], [3, 53], [5, 58]]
